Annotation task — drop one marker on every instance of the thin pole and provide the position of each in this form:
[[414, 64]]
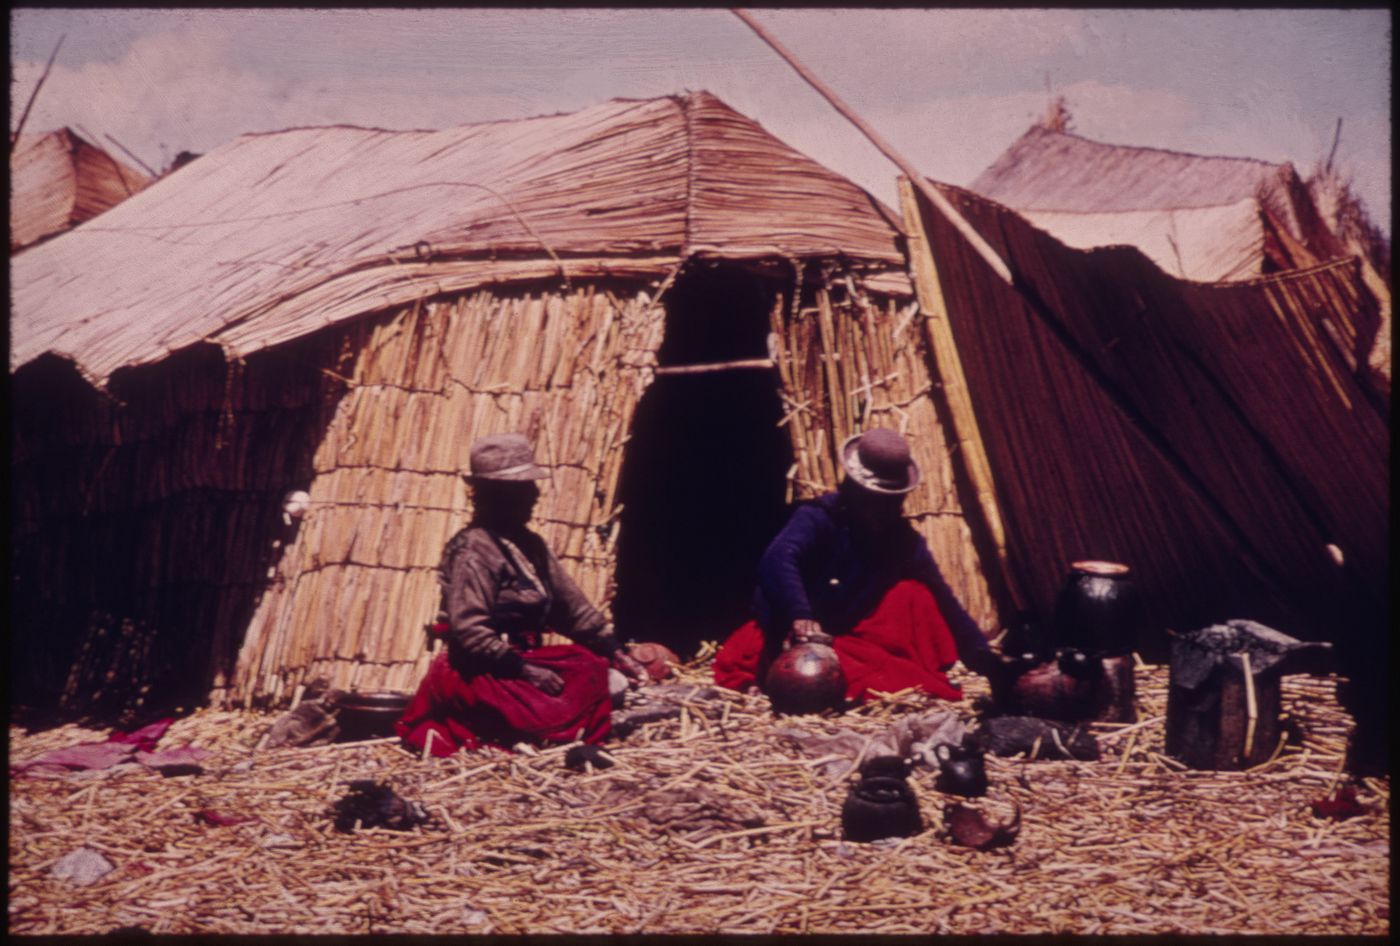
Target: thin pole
[[128, 152], [1336, 140], [24, 116], [983, 249]]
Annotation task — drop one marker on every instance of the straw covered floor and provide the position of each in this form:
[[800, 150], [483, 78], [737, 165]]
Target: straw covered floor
[[712, 822]]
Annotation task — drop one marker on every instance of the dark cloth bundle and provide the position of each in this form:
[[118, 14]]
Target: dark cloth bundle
[[371, 804], [1009, 735]]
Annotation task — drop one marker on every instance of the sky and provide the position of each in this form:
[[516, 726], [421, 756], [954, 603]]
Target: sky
[[949, 88]]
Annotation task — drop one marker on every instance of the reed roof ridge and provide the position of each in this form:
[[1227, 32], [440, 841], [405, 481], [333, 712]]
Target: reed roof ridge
[[483, 123], [1041, 131]]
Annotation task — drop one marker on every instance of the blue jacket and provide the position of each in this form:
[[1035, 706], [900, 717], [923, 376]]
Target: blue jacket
[[818, 568]]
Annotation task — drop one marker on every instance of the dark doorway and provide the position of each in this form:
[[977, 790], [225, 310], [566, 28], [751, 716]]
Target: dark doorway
[[704, 478]]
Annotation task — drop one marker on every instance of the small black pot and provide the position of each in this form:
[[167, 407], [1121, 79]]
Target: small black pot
[[961, 771], [880, 806]]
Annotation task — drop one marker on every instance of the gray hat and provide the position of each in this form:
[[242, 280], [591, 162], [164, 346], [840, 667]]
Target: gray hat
[[879, 460], [504, 457]]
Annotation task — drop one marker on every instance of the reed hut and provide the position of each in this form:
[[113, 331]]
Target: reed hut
[[58, 180], [1203, 218], [685, 315]]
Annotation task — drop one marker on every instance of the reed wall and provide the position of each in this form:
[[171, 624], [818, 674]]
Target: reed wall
[[157, 502], [348, 599]]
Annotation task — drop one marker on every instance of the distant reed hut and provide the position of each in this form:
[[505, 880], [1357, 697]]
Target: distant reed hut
[[58, 180], [1197, 217], [1208, 219]]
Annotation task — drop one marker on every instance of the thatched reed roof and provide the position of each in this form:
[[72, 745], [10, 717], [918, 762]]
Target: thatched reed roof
[[275, 235], [1208, 219], [58, 180]]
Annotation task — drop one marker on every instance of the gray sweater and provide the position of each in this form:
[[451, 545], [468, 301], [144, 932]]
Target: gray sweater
[[499, 588]]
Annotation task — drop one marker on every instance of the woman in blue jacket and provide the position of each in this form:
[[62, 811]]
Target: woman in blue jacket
[[848, 570]]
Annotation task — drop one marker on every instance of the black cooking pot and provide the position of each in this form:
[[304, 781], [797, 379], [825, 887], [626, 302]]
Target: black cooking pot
[[880, 806], [1097, 609], [368, 715]]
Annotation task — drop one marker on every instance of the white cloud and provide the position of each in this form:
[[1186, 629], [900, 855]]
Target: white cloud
[[183, 90], [950, 88]]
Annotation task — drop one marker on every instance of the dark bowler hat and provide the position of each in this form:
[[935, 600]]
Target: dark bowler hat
[[879, 460], [505, 457]]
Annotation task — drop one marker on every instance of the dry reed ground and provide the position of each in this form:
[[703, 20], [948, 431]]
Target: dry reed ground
[[1129, 844]]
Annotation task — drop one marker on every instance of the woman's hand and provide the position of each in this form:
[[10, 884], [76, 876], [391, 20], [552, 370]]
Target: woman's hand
[[630, 668], [542, 678], [807, 631]]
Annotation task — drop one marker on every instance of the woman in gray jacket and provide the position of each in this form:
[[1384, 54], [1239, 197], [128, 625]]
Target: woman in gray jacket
[[502, 590]]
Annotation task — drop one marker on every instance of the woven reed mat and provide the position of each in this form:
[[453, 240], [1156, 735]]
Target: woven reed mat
[[710, 822]]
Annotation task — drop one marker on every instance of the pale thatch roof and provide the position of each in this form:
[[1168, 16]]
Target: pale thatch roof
[[276, 235], [1203, 218], [58, 180]]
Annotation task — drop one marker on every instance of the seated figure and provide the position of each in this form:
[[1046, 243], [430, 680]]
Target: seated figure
[[502, 589], [849, 571]]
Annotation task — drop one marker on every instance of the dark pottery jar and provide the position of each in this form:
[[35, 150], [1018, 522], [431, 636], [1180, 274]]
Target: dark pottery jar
[[880, 806], [1097, 609], [368, 715], [1068, 687], [961, 771]]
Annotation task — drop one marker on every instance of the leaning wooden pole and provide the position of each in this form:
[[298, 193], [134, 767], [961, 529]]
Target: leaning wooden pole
[[944, 206], [966, 432]]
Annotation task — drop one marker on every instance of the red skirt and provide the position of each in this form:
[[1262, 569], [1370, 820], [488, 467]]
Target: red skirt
[[465, 712], [903, 643]]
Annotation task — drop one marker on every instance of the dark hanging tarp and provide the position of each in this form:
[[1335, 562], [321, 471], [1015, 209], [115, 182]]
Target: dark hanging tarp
[[1214, 437]]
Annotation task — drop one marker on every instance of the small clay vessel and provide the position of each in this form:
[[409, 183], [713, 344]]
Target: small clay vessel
[[880, 806], [971, 828], [961, 770], [656, 659]]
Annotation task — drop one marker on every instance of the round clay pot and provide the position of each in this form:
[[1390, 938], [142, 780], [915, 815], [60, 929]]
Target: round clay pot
[[1097, 609], [1050, 692], [655, 659], [806, 678]]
